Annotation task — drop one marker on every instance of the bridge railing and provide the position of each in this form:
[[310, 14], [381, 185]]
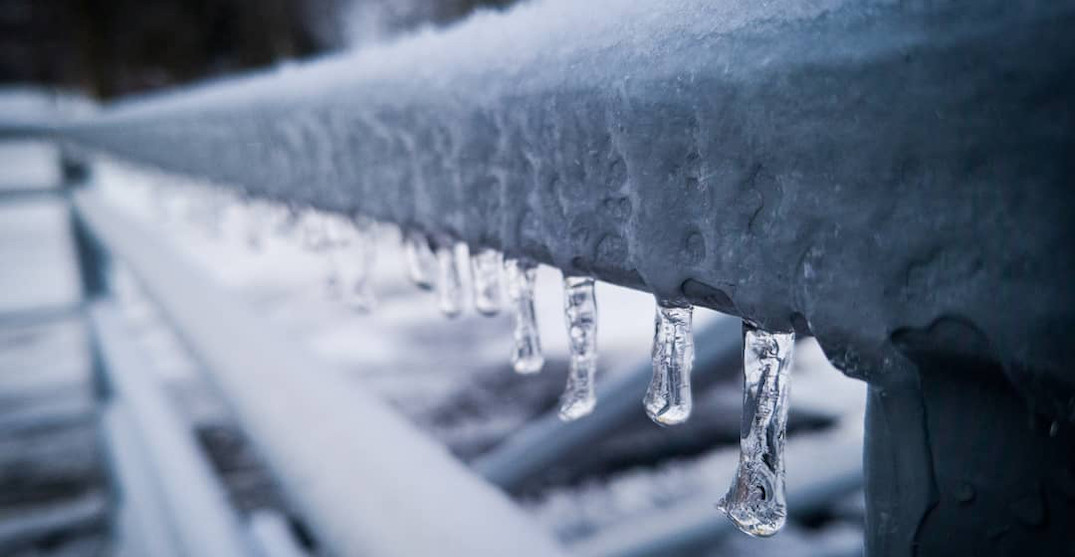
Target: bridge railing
[[899, 190]]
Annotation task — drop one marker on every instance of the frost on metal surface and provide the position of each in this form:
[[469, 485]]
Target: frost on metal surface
[[668, 399], [421, 262], [756, 502], [526, 355], [487, 269], [451, 276], [580, 313]]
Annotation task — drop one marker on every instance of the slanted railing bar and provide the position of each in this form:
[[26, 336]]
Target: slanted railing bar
[[363, 479]]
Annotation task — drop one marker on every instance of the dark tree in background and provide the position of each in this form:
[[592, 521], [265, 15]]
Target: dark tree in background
[[113, 47]]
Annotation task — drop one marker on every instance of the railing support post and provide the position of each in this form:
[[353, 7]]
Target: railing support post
[[958, 464]]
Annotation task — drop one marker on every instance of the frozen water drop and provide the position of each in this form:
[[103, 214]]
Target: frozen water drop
[[487, 267], [668, 400], [755, 502], [354, 249], [285, 220], [255, 215], [580, 312], [421, 262], [315, 234], [451, 268], [520, 276], [208, 209]]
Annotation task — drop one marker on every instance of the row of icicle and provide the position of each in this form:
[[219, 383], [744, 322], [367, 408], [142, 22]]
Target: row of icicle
[[755, 502]]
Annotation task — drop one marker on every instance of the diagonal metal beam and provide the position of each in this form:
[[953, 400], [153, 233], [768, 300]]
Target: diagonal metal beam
[[366, 481]]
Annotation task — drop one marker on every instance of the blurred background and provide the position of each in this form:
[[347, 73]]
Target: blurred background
[[114, 47], [451, 378]]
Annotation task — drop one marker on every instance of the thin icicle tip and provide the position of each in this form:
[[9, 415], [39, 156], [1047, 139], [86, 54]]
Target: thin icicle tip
[[526, 356], [756, 502], [580, 313], [358, 254], [421, 262], [668, 400], [348, 245], [451, 276], [487, 268]]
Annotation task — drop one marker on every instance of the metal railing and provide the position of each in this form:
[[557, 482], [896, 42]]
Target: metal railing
[[729, 159]]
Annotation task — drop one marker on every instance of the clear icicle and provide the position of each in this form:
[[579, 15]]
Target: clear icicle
[[319, 233], [487, 267], [668, 400], [580, 312], [354, 250], [451, 269], [210, 209], [520, 276], [255, 215], [285, 219], [755, 502], [315, 235], [421, 262]]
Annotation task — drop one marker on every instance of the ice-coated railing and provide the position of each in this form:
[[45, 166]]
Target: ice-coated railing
[[717, 153], [891, 178]]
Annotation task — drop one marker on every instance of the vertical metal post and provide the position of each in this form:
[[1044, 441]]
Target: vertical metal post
[[93, 260], [956, 461]]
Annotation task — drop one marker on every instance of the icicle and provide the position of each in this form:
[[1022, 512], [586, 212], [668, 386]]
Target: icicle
[[520, 275], [668, 400], [320, 235], [315, 234], [285, 219], [208, 209], [354, 247], [451, 269], [421, 262], [580, 311], [755, 502], [486, 267], [255, 215]]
